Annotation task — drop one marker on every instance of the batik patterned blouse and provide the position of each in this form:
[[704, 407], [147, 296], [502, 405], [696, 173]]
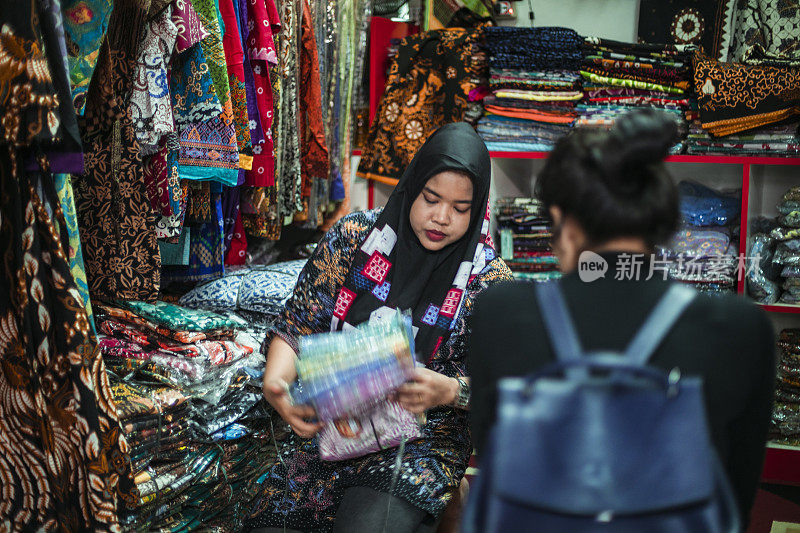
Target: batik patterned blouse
[[308, 494]]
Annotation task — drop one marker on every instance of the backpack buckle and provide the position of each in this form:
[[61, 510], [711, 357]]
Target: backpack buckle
[[672, 382]]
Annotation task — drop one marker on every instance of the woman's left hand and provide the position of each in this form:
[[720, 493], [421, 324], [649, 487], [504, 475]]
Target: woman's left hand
[[426, 390]]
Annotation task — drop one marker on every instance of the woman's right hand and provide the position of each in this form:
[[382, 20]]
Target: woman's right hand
[[276, 393]]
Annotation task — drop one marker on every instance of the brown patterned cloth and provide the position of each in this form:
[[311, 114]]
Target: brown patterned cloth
[[733, 97], [63, 461], [314, 151], [428, 86], [116, 220]]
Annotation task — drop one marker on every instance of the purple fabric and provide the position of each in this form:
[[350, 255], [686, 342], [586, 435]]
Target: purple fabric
[[230, 210], [256, 129], [60, 162], [384, 427]]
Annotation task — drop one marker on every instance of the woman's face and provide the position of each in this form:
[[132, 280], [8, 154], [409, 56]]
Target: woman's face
[[441, 213]]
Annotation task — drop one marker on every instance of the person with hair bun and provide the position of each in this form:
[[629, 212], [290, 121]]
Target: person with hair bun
[[609, 193]]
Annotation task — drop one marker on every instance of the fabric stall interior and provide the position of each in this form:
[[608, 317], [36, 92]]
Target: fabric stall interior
[[524, 233], [167, 166]]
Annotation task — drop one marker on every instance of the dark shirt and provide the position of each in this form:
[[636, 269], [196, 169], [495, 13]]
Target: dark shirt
[[726, 340]]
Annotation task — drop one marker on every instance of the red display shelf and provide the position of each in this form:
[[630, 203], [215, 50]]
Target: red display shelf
[[780, 308], [715, 159], [781, 465]]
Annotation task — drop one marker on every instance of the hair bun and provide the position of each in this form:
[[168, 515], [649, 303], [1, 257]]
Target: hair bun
[[637, 139]]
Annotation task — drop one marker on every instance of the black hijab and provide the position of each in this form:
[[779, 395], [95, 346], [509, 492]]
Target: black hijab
[[393, 270]]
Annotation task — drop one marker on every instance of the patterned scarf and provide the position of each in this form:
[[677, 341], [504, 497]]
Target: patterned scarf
[[393, 270]]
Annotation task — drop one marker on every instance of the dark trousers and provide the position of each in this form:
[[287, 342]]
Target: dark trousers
[[365, 510]]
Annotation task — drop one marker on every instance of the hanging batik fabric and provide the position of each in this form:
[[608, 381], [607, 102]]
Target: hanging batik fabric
[[86, 22], [706, 23], [769, 25], [289, 178], [209, 149], [62, 459], [67, 154], [151, 108], [116, 220], [428, 86], [733, 97], [314, 150], [234, 59], [261, 53]]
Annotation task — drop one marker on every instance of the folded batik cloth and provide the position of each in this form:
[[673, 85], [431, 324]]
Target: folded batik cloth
[[137, 400], [733, 97], [785, 234], [176, 317], [616, 81], [533, 48], [640, 51], [182, 336], [549, 117]]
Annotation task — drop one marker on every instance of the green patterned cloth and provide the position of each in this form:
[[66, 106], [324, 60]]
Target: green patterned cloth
[[67, 200], [181, 318]]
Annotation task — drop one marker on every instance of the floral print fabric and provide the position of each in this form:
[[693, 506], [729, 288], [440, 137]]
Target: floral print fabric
[[116, 220], [150, 103], [86, 22], [180, 318], [428, 85], [62, 459]]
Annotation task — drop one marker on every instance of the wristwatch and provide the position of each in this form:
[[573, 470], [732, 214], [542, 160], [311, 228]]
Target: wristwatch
[[462, 398]]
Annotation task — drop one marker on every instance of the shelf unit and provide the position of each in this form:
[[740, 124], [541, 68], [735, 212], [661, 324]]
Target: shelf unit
[[745, 162]]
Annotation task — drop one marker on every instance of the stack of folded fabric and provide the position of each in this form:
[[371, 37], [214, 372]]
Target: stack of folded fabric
[[618, 77], [534, 86], [704, 251], [776, 140], [525, 232], [786, 239], [785, 425], [182, 385]]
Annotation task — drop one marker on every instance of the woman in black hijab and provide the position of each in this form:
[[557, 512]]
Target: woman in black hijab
[[427, 251]]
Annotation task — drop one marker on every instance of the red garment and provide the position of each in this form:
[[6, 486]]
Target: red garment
[[237, 251], [234, 57], [261, 52], [314, 159]]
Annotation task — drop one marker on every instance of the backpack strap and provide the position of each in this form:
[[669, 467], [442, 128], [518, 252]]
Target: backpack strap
[[661, 319], [558, 323]]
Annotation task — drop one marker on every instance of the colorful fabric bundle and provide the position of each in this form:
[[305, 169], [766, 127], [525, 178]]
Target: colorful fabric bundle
[[346, 373], [177, 428], [703, 253], [785, 424]]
